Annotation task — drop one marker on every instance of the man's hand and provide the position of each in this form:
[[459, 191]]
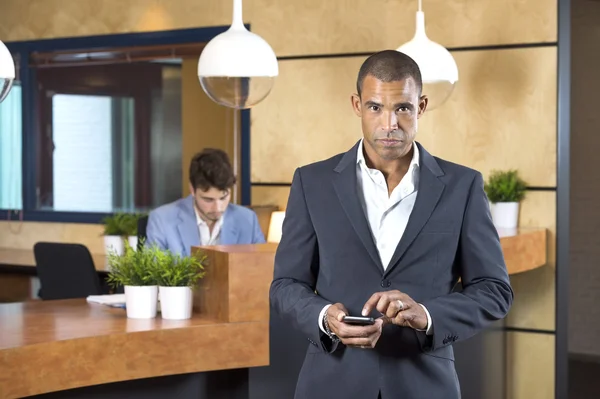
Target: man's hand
[[352, 335], [398, 308]]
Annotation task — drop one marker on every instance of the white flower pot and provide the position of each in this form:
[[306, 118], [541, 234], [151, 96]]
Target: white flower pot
[[176, 302], [140, 302], [133, 242], [114, 244], [505, 214]]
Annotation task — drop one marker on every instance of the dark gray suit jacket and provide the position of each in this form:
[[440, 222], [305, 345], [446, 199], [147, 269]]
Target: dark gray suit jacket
[[327, 255]]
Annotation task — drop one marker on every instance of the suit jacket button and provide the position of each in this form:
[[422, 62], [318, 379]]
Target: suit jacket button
[[385, 283]]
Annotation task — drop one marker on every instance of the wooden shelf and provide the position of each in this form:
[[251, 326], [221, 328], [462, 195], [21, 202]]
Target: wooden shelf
[[524, 248]]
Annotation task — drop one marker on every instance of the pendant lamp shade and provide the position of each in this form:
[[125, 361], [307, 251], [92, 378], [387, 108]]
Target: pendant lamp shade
[[438, 68], [237, 68], [7, 71]]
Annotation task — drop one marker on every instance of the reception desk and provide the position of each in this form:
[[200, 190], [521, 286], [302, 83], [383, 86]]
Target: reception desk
[[64, 346], [48, 346], [72, 349]]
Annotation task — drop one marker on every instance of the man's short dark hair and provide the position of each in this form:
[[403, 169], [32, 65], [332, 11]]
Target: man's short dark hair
[[211, 168], [389, 66]]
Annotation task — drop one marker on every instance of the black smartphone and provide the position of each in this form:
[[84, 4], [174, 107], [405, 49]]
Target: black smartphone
[[359, 320]]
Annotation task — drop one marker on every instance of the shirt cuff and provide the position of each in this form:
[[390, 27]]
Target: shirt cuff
[[321, 318], [429, 330]]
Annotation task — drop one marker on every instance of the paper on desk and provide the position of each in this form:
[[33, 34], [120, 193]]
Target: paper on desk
[[114, 299]]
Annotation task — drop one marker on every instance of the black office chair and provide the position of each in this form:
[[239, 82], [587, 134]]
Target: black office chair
[[65, 271], [141, 225]]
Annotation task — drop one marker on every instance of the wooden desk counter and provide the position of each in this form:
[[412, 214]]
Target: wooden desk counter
[[48, 346]]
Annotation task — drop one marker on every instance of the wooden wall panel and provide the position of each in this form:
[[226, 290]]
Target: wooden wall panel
[[292, 27], [269, 195], [306, 118], [501, 115], [530, 366], [342, 26], [41, 19], [535, 304], [535, 290], [24, 235]]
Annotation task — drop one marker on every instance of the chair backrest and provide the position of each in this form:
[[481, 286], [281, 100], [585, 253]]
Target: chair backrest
[[141, 225], [65, 271]]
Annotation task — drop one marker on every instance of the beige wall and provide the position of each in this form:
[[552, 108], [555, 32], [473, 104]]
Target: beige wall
[[501, 115], [293, 27], [23, 235]]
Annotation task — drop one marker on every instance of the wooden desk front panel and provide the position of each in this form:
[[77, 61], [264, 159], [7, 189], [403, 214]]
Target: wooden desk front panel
[[57, 345], [237, 281]]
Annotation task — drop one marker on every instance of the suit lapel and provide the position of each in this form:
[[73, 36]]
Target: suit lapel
[[187, 227], [346, 189], [229, 231], [430, 190]]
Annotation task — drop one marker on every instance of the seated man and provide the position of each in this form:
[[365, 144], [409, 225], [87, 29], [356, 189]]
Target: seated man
[[205, 217]]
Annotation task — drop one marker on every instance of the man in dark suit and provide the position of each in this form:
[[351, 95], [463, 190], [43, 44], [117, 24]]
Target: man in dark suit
[[386, 230]]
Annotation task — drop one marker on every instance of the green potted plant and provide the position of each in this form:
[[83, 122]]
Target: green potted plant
[[116, 227], [132, 228], [505, 190], [176, 277], [136, 271]]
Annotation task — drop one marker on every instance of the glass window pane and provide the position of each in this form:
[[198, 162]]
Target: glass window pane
[[11, 138], [109, 137], [86, 132]]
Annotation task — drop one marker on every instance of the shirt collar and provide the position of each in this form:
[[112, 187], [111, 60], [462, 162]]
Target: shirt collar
[[200, 221], [414, 162]]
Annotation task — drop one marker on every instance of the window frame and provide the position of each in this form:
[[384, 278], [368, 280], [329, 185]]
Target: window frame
[[23, 49]]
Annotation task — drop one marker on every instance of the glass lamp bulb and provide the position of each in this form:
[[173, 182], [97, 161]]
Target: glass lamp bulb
[[7, 71]]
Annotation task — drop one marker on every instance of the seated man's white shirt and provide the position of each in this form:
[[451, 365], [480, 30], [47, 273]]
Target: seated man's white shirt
[[206, 236]]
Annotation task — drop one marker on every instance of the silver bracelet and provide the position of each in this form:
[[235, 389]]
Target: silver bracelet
[[329, 333]]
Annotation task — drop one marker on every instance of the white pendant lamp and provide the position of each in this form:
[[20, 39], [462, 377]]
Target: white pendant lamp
[[237, 68], [7, 71], [438, 68]]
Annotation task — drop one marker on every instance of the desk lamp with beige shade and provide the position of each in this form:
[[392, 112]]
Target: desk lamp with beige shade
[[275, 225]]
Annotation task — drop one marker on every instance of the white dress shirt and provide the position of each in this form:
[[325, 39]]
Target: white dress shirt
[[206, 236], [387, 214]]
